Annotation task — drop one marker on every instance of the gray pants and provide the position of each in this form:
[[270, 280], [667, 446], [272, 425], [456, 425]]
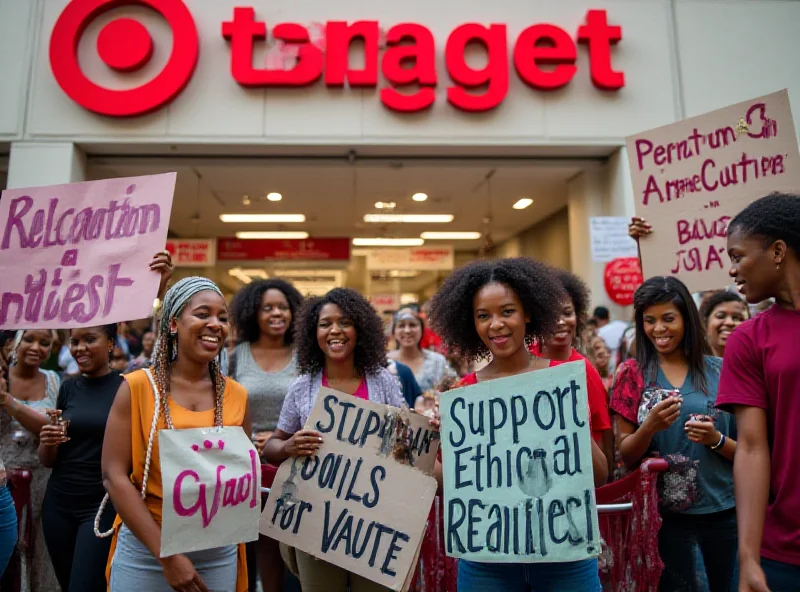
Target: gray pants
[[135, 569]]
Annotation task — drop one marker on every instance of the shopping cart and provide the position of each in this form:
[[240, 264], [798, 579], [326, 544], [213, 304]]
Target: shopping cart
[[629, 525]]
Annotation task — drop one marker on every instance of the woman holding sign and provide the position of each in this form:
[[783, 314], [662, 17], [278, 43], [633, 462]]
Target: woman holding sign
[[187, 391], [340, 345], [513, 303], [664, 400]]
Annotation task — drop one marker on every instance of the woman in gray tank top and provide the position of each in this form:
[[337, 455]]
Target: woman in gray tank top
[[264, 362]]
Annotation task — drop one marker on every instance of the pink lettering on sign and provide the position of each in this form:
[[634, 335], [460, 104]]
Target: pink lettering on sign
[[72, 253]]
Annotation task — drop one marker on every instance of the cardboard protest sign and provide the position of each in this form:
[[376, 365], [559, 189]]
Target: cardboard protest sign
[[691, 177], [77, 255], [362, 501], [517, 468], [212, 489]]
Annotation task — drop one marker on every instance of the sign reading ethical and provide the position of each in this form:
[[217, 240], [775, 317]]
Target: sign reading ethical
[[517, 468], [362, 501], [78, 255], [692, 177]]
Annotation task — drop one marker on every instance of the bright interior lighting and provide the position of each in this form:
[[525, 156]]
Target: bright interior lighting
[[450, 235], [272, 235], [419, 196], [408, 218], [279, 218], [385, 205], [523, 203], [246, 275], [397, 273], [274, 196], [388, 242]]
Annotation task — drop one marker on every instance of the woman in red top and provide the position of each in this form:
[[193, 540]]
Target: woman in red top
[[512, 304]]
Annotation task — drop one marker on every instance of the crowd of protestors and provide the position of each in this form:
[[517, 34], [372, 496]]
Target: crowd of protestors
[[711, 388]]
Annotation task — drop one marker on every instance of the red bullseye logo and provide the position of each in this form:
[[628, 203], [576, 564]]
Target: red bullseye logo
[[124, 45]]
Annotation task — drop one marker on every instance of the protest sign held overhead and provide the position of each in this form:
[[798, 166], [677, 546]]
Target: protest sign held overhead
[[517, 469], [362, 501], [78, 255], [691, 177], [212, 489]]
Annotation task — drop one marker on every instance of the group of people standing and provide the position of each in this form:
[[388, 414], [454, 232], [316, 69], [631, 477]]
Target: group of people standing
[[712, 392]]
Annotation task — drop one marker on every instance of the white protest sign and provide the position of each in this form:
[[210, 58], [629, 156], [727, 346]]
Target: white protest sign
[[692, 177], [610, 238], [212, 489], [362, 501], [517, 468]]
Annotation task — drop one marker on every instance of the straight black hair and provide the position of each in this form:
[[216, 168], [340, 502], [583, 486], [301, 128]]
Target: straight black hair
[[659, 290]]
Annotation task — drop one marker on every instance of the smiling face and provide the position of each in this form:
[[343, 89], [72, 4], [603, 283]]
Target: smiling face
[[202, 327], [34, 349], [664, 327], [91, 347], [336, 334], [566, 327], [275, 315], [725, 317], [600, 353], [408, 332], [499, 319], [753, 266]]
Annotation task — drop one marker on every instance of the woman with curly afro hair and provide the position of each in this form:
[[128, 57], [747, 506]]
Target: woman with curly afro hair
[[512, 303], [560, 348], [340, 344]]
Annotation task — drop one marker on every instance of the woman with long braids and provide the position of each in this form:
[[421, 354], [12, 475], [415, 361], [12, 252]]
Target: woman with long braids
[[191, 393]]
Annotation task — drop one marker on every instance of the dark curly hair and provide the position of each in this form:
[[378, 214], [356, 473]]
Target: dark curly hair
[[538, 289], [774, 217], [714, 299], [247, 304], [579, 293], [370, 351]]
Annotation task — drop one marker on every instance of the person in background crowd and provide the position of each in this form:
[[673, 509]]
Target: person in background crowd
[[610, 331], [340, 345], [265, 363], [8, 513], [601, 357], [30, 391], [560, 347], [144, 358], [664, 400], [761, 384], [513, 303], [721, 312], [405, 378], [118, 360], [186, 370], [430, 340], [429, 367]]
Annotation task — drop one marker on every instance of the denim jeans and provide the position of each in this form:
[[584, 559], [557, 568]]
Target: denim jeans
[[781, 577], [575, 576], [8, 528]]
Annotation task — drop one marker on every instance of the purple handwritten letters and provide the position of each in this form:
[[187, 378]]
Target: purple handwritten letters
[[77, 255]]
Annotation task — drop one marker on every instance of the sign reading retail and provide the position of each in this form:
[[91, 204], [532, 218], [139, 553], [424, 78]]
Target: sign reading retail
[[517, 469], [621, 278], [691, 177], [311, 249], [193, 252], [411, 259], [544, 56], [362, 501], [78, 255]]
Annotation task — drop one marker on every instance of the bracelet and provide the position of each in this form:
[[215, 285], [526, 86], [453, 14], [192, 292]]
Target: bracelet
[[721, 442]]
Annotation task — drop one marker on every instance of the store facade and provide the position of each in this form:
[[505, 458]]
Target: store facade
[[509, 85]]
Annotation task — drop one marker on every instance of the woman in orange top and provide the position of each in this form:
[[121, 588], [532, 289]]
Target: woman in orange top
[[192, 394]]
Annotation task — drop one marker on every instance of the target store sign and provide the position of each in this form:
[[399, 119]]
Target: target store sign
[[399, 60]]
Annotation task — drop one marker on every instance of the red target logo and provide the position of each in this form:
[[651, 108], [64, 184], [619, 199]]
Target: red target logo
[[123, 45]]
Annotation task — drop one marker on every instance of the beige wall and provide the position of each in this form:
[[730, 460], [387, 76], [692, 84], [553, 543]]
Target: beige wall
[[548, 240]]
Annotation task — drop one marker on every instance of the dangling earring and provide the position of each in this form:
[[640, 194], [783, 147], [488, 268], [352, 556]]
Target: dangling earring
[[778, 266], [173, 343]]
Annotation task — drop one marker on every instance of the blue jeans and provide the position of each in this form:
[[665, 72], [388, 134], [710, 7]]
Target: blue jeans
[[781, 577], [574, 576], [8, 528]]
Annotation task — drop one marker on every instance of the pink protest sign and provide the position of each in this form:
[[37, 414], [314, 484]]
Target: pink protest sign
[[77, 255]]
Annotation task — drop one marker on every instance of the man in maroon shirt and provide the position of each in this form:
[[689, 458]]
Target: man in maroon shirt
[[760, 382]]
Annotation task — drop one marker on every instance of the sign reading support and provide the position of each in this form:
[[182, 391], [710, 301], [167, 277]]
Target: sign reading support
[[692, 177], [517, 468], [362, 501]]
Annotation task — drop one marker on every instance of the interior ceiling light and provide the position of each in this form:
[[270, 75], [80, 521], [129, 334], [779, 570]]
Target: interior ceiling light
[[274, 196], [419, 196], [272, 235], [246, 200], [388, 242], [522, 203], [385, 205], [278, 218], [450, 235], [408, 218]]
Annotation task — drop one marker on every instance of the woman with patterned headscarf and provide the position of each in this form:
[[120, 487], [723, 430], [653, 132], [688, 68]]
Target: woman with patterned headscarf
[[191, 392]]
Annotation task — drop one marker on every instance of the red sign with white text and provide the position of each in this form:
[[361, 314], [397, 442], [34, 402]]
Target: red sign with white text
[[622, 276], [192, 252], [405, 55], [311, 249]]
